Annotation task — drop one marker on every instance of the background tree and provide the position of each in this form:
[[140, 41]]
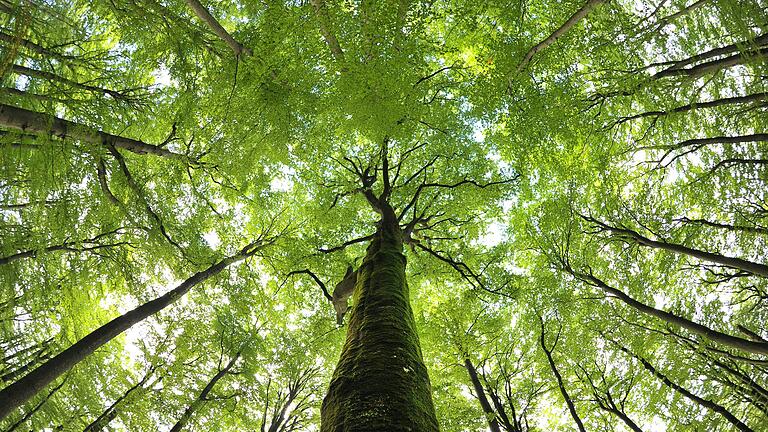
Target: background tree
[[600, 165]]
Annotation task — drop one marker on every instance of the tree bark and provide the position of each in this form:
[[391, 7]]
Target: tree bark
[[559, 378], [687, 394], [380, 382], [490, 414], [111, 412], [572, 21], [203, 397], [713, 65], [37, 407], [737, 263], [325, 30], [30, 121], [23, 70], [756, 97], [214, 25], [701, 330], [22, 390]]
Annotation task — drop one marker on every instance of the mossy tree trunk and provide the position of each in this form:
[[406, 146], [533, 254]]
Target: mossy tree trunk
[[380, 382]]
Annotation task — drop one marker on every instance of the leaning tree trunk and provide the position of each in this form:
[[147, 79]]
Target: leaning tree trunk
[[490, 414], [380, 382], [22, 390]]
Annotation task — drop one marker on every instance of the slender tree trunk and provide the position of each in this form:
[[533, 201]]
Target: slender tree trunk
[[737, 263], [111, 412], [756, 97], [214, 25], [39, 49], [490, 414], [30, 121], [687, 394], [559, 378], [203, 397], [728, 49], [572, 21], [713, 65], [22, 390], [325, 30], [701, 330], [625, 418], [23, 70], [380, 382]]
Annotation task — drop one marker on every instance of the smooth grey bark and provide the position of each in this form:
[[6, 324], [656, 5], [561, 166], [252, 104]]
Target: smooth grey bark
[[22, 390], [203, 396], [214, 25], [24, 120], [559, 378], [490, 414], [687, 393]]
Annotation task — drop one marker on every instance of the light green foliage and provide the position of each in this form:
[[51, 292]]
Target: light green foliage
[[522, 168]]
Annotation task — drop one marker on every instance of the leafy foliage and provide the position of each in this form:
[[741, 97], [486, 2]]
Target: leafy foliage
[[627, 159]]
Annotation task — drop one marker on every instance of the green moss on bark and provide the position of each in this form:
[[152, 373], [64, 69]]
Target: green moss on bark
[[380, 382]]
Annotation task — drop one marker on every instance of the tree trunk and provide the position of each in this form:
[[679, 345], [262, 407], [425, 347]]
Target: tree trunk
[[111, 412], [490, 414], [572, 21], [380, 382], [41, 123], [701, 330], [19, 392], [687, 394], [559, 378], [737, 263], [203, 397], [214, 25]]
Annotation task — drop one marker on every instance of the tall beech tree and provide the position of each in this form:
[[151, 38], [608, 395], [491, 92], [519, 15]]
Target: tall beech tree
[[428, 183]]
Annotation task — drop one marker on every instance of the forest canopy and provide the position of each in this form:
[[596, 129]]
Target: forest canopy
[[350, 215]]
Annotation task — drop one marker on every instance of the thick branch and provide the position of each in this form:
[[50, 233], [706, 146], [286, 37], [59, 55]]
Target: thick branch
[[30, 121], [214, 25], [686, 393], [737, 263], [316, 279], [572, 21], [325, 30]]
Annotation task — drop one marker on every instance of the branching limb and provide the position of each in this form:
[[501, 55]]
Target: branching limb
[[325, 30], [572, 21], [214, 25], [346, 244], [316, 279]]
